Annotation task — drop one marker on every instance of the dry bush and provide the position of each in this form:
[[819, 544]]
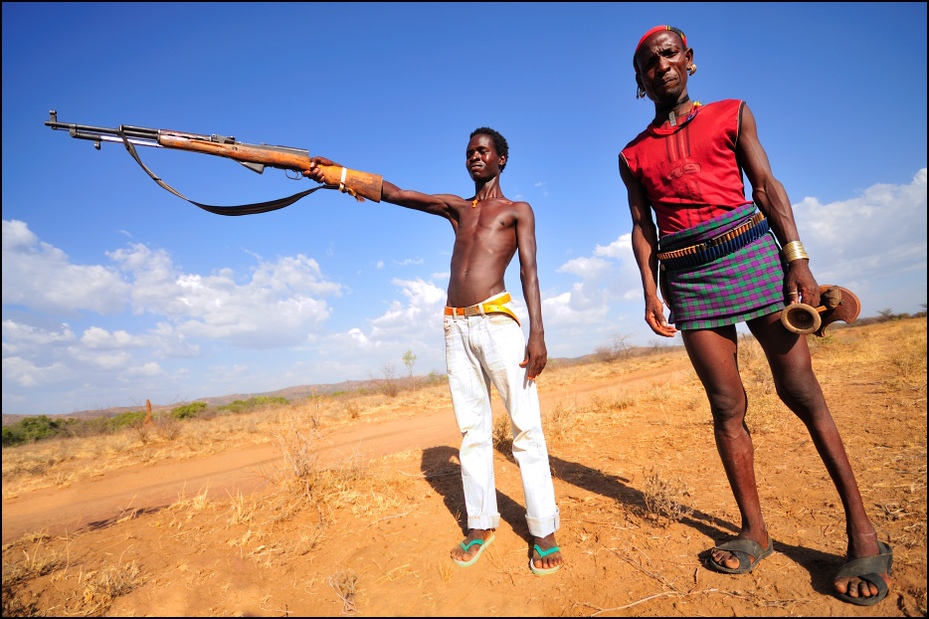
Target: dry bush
[[665, 497], [559, 422], [300, 448], [345, 584], [613, 404], [102, 586], [94, 593], [242, 508], [39, 562], [502, 434], [909, 361], [167, 428], [18, 603], [306, 483], [352, 408], [188, 508]]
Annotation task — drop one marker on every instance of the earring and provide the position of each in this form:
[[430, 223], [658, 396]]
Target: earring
[[639, 92], [691, 69]]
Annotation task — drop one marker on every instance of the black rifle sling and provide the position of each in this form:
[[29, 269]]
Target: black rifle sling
[[244, 209]]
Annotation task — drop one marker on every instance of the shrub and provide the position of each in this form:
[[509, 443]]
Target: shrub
[[33, 429], [188, 411], [245, 406]]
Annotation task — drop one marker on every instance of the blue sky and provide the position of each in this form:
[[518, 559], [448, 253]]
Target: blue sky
[[116, 291]]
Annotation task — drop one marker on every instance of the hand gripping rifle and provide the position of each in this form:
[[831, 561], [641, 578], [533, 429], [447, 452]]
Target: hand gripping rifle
[[255, 157]]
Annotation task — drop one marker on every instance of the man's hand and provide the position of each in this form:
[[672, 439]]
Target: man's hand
[[317, 173], [536, 358], [654, 316], [800, 280]]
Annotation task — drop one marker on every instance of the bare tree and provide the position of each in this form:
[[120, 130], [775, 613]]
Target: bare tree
[[389, 386]]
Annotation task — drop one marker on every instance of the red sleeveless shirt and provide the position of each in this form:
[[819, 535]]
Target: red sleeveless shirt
[[689, 172]]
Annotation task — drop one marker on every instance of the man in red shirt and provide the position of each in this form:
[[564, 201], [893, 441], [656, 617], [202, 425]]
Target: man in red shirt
[[724, 261]]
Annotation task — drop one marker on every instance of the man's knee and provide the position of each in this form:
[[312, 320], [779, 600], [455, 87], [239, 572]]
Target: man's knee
[[728, 409]]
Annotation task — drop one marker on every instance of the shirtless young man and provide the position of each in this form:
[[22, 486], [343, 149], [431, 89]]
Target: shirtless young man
[[484, 343]]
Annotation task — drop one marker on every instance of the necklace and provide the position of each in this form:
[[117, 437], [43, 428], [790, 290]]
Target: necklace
[[672, 117]]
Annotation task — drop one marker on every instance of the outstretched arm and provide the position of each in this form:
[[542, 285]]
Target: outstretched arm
[[645, 249], [440, 204], [536, 351], [770, 196]]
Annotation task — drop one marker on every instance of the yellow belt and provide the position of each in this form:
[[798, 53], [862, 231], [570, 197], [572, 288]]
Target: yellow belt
[[493, 306]]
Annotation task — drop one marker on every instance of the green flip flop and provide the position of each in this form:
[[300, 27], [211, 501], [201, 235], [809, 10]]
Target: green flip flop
[[480, 543], [538, 571]]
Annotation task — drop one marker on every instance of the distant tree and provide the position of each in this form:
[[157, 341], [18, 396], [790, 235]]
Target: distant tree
[[886, 313], [408, 360]]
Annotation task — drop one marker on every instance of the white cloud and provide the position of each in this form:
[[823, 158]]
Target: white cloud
[[40, 276], [75, 335]]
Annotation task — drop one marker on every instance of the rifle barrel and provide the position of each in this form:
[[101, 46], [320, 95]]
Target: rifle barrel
[[253, 156]]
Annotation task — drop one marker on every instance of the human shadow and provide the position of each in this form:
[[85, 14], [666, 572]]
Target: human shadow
[[441, 468], [821, 566], [619, 489]]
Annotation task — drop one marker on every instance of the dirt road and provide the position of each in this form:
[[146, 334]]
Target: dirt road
[[99, 501]]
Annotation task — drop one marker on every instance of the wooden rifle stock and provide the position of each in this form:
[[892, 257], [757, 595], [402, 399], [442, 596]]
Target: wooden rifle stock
[[363, 184]]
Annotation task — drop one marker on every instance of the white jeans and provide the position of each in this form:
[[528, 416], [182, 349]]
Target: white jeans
[[481, 351]]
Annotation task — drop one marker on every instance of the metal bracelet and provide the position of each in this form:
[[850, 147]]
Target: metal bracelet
[[794, 251]]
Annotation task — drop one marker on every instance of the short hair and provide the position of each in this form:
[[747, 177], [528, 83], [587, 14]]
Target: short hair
[[503, 149]]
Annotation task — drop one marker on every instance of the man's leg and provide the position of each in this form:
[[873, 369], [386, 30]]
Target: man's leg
[[470, 392], [791, 366], [504, 352], [714, 354]]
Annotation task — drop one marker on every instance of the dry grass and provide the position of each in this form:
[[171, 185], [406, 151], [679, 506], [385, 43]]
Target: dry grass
[[306, 503]]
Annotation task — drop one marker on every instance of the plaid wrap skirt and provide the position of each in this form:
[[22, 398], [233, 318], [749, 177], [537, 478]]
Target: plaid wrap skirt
[[744, 284]]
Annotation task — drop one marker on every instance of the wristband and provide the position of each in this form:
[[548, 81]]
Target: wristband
[[794, 251]]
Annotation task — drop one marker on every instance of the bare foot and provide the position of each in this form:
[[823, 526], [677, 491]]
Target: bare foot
[[546, 557], [468, 551]]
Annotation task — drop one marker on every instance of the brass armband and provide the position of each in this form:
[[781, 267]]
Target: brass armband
[[794, 251]]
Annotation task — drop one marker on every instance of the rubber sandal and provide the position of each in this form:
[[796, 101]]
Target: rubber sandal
[[744, 550], [480, 543], [539, 571], [869, 569]]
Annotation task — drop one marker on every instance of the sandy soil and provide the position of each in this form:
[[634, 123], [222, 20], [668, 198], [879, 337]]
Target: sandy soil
[[216, 536]]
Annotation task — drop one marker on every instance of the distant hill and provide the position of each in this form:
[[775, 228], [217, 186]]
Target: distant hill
[[290, 393]]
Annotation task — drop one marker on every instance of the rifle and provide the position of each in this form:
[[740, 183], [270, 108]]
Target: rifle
[[255, 157]]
